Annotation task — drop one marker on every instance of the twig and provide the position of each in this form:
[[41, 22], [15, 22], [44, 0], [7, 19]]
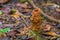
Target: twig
[[44, 14], [22, 16], [23, 20]]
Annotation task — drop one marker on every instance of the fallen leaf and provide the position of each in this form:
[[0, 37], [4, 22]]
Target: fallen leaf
[[16, 14], [24, 30], [21, 5], [3, 1], [47, 28], [11, 33], [58, 10], [50, 33]]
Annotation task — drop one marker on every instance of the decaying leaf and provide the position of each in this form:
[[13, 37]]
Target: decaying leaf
[[3, 1], [35, 20], [11, 33], [51, 34], [58, 10], [16, 14], [3, 35], [47, 28], [24, 30], [21, 5]]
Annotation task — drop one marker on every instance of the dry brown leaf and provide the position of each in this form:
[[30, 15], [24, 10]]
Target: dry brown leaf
[[3, 1], [16, 15], [22, 5], [58, 10], [28, 34], [47, 28], [1, 36], [24, 30], [51, 33]]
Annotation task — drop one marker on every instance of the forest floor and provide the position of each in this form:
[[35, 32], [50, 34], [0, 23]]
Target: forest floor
[[16, 17]]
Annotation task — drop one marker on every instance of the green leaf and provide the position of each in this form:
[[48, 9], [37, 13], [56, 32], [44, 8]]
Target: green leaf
[[1, 31], [22, 1], [4, 30], [0, 12]]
